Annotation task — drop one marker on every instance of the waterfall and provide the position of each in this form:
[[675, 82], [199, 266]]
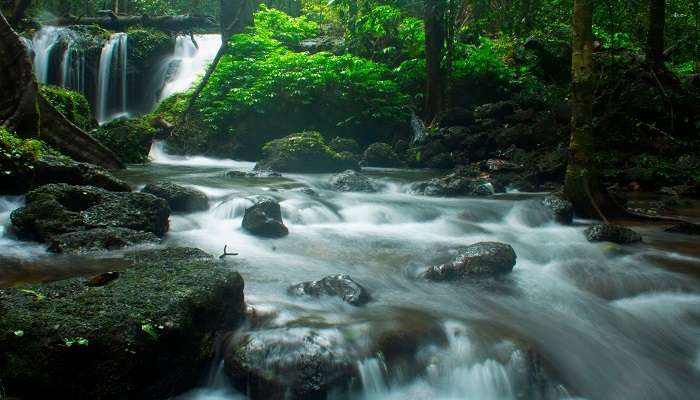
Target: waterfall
[[112, 88], [44, 42], [188, 62]]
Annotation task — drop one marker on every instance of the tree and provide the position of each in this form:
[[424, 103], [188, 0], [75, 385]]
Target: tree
[[655, 35], [434, 15]]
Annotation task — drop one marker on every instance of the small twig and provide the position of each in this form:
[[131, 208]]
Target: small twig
[[221, 257]]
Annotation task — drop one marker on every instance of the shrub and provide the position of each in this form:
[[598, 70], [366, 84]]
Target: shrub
[[277, 25], [17, 159]]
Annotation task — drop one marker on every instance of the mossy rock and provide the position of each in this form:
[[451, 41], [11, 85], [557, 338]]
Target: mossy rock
[[146, 334], [129, 139], [344, 144], [147, 45], [18, 158], [305, 152], [73, 105], [381, 155]]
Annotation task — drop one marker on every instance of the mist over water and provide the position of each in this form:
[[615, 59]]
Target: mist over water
[[607, 322]]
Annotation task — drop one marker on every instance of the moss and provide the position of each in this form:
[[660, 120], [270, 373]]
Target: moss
[[144, 335], [345, 145], [304, 152], [71, 104], [130, 139], [381, 155], [17, 161], [148, 45]]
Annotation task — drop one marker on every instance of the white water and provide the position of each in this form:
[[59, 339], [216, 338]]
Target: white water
[[189, 61], [112, 94], [610, 322], [43, 44]]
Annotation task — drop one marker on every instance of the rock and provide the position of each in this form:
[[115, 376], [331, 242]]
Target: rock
[[288, 363], [51, 169], [352, 181], [502, 165], [100, 239], [332, 44], [341, 286], [484, 259], [562, 210], [130, 139], [305, 152], [685, 228], [307, 191], [462, 182], [380, 155], [264, 218], [611, 233], [496, 111], [147, 334], [179, 198], [240, 174], [55, 209], [344, 144], [399, 340]]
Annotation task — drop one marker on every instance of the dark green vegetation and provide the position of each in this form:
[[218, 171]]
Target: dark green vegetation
[[71, 104], [146, 334], [17, 159], [130, 139]]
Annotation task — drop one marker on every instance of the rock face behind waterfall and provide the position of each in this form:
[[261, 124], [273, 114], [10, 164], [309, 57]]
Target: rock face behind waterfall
[[179, 198], [56, 209], [148, 334], [485, 259], [288, 363], [264, 218], [612, 233], [341, 286]]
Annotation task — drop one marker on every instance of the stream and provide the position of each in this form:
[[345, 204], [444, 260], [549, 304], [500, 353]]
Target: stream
[[611, 322]]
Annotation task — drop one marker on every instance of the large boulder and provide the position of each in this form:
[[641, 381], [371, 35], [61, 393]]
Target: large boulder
[[341, 286], [484, 259], [381, 155], [130, 139], [345, 145], [560, 209], [352, 181], [305, 152], [264, 218], [149, 333], [612, 233], [288, 363], [179, 198], [55, 209], [100, 239], [52, 169]]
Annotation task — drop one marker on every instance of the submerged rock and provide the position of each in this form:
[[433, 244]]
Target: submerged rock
[[100, 239], [612, 233], [484, 259], [55, 209], [463, 182], [288, 363], [381, 155], [179, 198], [562, 210], [147, 332], [264, 218], [352, 181], [305, 152], [685, 228], [51, 169], [341, 286]]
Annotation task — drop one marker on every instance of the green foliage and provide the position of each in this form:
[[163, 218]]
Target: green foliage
[[305, 152], [17, 156], [684, 170], [146, 45], [615, 40], [262, 90], [72, 105], [76, 341], [482, 61], [290, 31], [129, 139]]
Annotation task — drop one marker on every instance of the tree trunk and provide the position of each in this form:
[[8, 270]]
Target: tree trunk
[[19, 11], [655, 36], [434, 45], [27, 113], [175, 23]]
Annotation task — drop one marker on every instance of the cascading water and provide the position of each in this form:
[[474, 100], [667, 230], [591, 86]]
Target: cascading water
[[73, 69], [44, 42], [112, 86], [187, 63]]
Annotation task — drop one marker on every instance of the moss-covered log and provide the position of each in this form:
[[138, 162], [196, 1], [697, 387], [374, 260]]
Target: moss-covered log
[[174, 23]]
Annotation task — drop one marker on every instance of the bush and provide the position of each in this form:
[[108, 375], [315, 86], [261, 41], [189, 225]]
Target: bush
[[261, 91], [73, 105], [289, 31], [17, 159], [129, 139]]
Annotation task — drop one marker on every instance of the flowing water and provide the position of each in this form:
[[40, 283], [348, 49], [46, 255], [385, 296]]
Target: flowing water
[[189, 62], [112, 93], [573, 320]]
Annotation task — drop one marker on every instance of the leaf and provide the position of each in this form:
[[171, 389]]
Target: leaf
[[19, 333], [150, 330], [37, 295]]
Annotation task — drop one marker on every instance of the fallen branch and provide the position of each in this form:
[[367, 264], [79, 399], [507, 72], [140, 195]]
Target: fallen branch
[[221, 257]]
